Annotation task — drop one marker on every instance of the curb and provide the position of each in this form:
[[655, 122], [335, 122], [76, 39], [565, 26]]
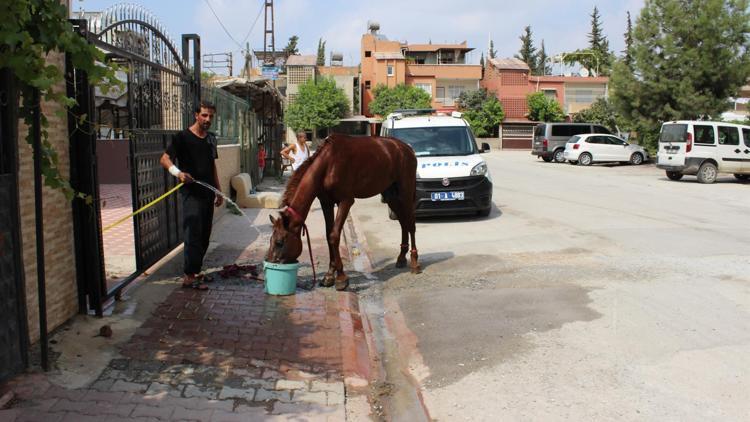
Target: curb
[[354, 347]]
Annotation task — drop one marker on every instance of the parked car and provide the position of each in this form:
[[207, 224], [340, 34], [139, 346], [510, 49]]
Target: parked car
[[452, 176], [550, 138], [704, 149], [596, 148]]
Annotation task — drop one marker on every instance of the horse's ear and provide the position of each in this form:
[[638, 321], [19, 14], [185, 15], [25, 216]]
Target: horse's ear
[[285, 219], [273, 220]]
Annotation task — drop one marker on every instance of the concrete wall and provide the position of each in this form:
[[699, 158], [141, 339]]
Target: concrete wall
[[60, 271]]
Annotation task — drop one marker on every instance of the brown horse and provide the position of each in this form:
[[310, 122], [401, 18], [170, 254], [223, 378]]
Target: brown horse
[[342, 169]]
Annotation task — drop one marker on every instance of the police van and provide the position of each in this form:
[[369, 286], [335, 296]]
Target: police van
[[452, 178]]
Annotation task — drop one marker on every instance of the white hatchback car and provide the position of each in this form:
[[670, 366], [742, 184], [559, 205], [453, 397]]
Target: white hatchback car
[[597, 148]]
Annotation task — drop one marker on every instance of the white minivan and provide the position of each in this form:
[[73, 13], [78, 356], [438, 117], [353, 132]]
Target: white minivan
[[704, 149], [452, 178]]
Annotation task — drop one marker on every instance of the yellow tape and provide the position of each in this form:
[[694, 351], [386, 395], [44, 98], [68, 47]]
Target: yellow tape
[[143, 208]]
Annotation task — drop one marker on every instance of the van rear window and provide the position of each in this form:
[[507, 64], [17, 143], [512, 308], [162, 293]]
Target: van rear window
[[673, 133], [539, 130]]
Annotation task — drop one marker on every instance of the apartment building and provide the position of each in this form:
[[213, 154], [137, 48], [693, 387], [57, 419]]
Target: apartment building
[[441, 70], [511, 80]]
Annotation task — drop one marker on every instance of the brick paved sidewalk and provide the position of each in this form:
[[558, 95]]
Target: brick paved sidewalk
[[232, 353]]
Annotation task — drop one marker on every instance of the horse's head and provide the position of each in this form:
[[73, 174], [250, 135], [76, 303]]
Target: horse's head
[[286, 242]]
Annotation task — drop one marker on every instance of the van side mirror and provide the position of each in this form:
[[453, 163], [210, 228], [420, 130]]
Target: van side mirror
[[485, 147]]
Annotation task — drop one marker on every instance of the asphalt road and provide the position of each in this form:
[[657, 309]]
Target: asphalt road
[[589, 293]]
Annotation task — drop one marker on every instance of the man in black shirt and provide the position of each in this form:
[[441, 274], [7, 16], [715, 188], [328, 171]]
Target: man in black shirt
[[194, 149]]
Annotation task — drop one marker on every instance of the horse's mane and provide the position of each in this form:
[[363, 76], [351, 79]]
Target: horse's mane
[[293, 184]]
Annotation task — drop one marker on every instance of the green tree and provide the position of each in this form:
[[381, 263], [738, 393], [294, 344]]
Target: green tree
[[321, 61], [597, 58], [319, 104], [472, 100], [527, 53], [481, 60], [688, 58], [601, 112], [387, 100], [492, 51], [628, 52], [486, 118], [542, 68], [291, 46], [31, 30], [544, 109]]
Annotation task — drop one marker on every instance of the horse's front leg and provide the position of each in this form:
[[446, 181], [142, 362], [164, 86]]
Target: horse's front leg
[[342, 280], [327, 207]]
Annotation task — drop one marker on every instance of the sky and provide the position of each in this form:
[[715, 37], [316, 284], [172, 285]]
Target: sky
[[562, 24]]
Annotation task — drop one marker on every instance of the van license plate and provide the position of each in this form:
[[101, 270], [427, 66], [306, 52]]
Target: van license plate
[[671, 151], [447, 196]]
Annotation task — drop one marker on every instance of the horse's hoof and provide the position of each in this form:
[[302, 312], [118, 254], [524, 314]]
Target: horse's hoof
[[342, 282], [342, 285], [327, 281], [400, 263], [416, 269]]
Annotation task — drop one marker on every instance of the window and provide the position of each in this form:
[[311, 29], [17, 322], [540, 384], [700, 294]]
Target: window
[[550, 94], [389, 70], [570, 130], [615, 141], [673, 133], [746, 136], [438, 141], [562, 130], [704, 134], [539, 130], [729, 135], [368, 53], [426, 88], [440, 94], [367, 84]]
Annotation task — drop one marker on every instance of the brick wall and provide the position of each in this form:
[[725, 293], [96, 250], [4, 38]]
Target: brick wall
[[62, 299]]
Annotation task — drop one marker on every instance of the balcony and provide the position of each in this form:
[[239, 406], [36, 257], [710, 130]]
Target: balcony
[[445, 71]]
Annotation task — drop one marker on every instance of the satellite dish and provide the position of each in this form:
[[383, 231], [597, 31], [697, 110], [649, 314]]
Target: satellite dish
[[584, 72]]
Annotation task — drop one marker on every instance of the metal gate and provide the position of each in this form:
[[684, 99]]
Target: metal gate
[[13, 332], [161, 89]]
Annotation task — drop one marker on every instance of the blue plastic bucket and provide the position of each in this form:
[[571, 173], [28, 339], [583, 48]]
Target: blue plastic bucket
[[281, 279]]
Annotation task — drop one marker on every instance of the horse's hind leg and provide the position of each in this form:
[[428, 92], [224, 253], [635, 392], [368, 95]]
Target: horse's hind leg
[[414, 263], [395, 205], [408, 224], [342, 280]]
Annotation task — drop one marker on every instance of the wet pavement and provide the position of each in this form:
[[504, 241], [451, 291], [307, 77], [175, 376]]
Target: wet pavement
[[232, 353]]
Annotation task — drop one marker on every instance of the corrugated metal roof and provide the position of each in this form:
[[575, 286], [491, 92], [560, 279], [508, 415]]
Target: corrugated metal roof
[[298, 60], [509, 63], [388, 55]]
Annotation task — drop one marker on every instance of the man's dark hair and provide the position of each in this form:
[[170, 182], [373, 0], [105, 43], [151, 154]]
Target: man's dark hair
[[205, 104]]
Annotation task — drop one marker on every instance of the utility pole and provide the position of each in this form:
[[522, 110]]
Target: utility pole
[[268, 35]]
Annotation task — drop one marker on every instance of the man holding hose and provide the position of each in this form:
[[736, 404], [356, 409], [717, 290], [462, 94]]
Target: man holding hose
[[194, 150]]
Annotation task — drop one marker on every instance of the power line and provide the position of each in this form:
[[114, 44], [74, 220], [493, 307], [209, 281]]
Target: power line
[[262, 6], [221, 23]]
